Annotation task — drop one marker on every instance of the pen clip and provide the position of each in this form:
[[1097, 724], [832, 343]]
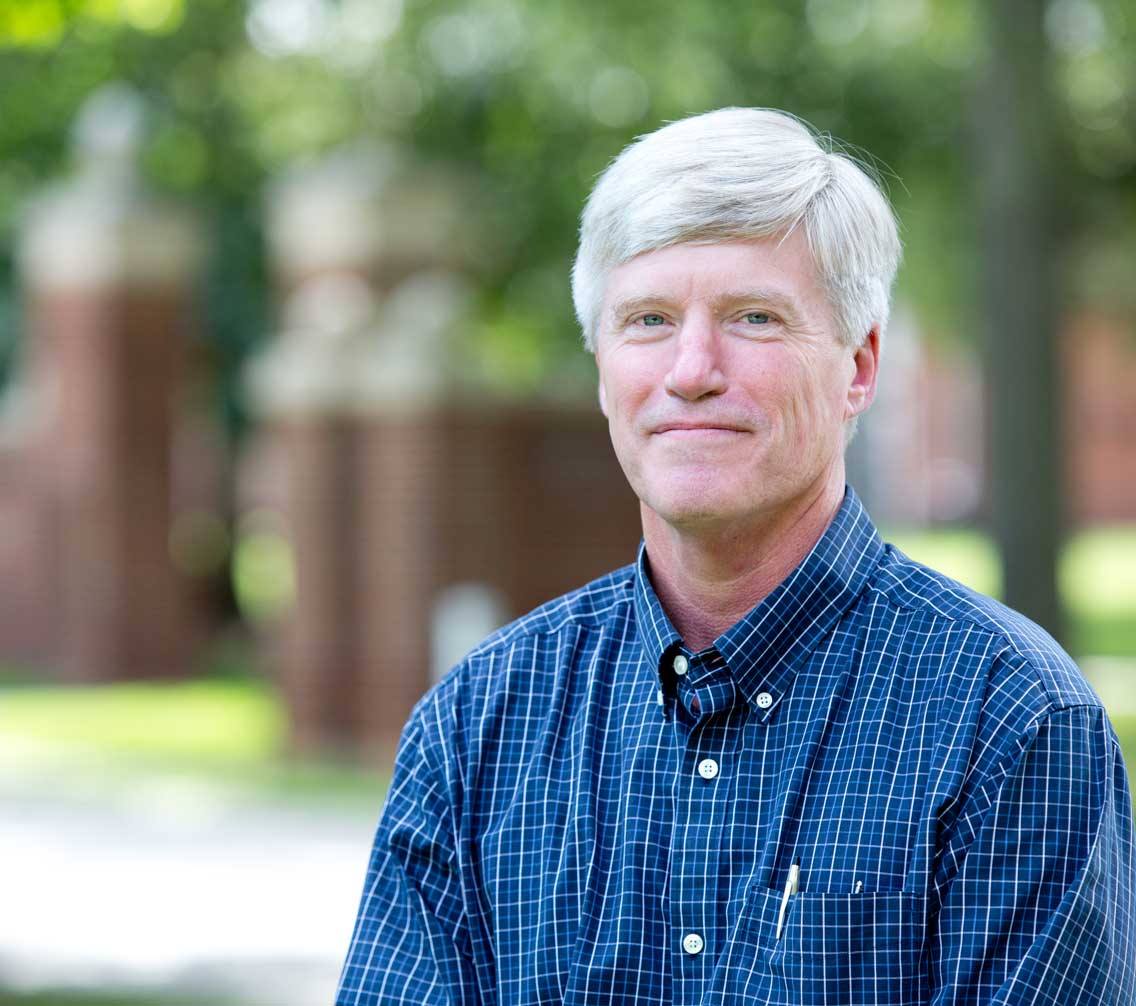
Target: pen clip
[[791, 886]]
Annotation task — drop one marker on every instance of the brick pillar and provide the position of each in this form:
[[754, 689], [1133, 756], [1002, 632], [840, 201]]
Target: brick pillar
[[110, 275], [425, 460], [405, 475], [351, 263], [301, 389]]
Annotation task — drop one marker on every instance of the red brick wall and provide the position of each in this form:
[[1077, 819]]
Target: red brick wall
[[383, 517], [1100, 420]]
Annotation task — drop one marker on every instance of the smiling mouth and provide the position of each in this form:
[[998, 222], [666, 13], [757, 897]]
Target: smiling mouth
[[700, 430]]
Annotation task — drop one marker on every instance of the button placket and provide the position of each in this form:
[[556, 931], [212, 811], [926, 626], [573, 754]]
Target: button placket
[[700, 811], [693, 918]]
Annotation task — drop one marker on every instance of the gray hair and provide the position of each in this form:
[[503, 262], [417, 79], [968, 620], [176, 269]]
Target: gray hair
[[742, 174]]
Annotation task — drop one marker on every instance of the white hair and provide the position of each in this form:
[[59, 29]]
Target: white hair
[[742, 174]]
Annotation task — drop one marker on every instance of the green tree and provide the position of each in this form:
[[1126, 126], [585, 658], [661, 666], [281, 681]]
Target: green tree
[[531, 98]]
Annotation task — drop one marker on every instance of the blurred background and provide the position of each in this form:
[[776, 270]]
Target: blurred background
[[294, 409]]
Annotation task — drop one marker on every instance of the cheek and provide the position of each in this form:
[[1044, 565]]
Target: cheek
[[624, 390], [823, 399], [813, 403], [620, 408]]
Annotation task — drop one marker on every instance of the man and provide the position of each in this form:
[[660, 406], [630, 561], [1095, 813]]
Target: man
[[774, 761]]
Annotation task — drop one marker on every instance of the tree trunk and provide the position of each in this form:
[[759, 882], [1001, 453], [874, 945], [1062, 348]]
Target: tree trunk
[[1015, 156]]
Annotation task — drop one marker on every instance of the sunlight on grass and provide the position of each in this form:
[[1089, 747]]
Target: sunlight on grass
[[1096, 576], [232, 731], [1125, 727], [94, 997], [226, 721], [1098, 572], [177, 737], [963, 554]]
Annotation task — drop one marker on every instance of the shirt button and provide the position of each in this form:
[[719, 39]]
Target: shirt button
[[764, 700], [660, 697], [692, 944], [681, 665], [707, 768]]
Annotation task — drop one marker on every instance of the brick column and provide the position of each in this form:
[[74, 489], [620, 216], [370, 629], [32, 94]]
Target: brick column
[[351, 259], [301, 388], [110, 275], [406, 476], [425, 460]]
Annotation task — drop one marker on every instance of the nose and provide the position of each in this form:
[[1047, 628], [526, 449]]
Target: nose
[[696, 369]]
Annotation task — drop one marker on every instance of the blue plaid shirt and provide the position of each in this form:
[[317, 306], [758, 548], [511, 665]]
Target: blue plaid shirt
[[584, 811]]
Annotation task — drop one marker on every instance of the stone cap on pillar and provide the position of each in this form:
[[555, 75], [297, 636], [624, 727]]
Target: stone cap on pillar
[[345, 352], [371, 210], [102, 229]]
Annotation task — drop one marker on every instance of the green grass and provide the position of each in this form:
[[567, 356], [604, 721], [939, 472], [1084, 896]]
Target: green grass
[[230, 729], [1098, 571], [82, 997], [224, 721], [231, 733], [964, 554], [1125, 726], [1096, 576]]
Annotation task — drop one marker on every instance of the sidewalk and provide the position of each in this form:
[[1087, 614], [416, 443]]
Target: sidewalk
[[172, 886]]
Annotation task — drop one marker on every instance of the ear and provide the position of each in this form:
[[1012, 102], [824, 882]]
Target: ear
[[603, 399], [866, 362]]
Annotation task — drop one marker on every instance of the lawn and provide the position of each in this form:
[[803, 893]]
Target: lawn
[[230, 727], [226, 733], [1126, 730], [82, 997], [1096, 576]]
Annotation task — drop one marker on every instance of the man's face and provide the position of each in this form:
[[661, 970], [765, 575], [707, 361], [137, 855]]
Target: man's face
[[723, 380]]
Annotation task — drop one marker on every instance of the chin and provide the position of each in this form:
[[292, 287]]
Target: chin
[[698, 510]]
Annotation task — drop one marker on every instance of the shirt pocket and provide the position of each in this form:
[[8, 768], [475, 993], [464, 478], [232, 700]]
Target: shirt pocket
[[835, 949]]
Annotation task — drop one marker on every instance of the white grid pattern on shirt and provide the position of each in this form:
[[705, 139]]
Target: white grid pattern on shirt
[[548, 837]]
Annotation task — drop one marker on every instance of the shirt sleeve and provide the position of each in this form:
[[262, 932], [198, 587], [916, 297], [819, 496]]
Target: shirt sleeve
[[410, 944], [1041, 909]]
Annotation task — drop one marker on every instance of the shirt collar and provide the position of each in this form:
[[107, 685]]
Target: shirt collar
[[766, 648]]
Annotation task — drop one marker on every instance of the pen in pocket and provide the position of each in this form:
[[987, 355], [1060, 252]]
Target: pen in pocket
[[790, 889]]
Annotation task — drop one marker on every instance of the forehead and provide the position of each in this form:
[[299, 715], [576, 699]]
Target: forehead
[[682, 272]]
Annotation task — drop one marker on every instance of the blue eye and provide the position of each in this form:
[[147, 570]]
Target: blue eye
[[758, 318], [652, 320]]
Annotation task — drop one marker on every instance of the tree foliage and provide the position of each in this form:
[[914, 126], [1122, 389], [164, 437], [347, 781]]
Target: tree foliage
[[531, 98]]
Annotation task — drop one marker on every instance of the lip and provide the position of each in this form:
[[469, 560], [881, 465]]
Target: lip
[[696, 429]]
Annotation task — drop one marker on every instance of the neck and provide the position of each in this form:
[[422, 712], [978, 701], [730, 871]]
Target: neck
[[707, 579]]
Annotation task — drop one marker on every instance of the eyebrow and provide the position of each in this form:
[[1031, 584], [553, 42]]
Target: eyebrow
[[773, 298], [621, 309]]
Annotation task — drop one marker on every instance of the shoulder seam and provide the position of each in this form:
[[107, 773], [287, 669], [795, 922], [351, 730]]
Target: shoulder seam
[[993, 632], [1006, 648]]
